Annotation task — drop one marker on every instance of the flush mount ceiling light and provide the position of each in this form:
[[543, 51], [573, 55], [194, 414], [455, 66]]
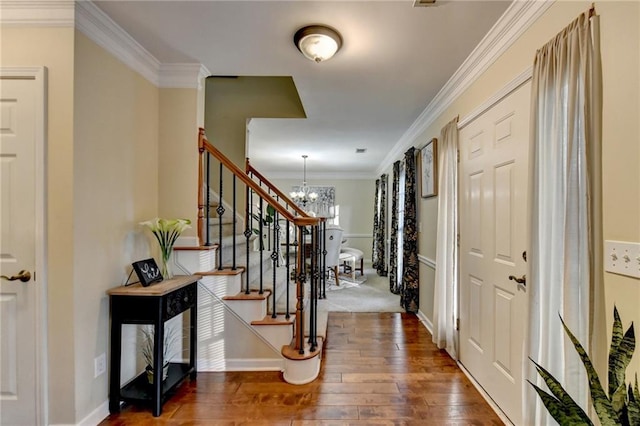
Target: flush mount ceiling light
[[317, 42]]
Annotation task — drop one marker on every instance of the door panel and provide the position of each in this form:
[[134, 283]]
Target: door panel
[[18, 331], [493, 188]]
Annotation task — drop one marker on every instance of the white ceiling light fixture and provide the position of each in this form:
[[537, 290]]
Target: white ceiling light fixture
[[317, 42]]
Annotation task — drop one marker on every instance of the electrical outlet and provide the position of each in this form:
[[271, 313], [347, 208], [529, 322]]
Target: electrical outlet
[[622, 257], [99, 365]]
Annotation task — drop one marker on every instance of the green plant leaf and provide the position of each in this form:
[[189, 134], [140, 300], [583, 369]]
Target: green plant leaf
[[619, 358], [601, 402], [271, 211], [569, 406], [559, 411], [633, 406], [616, 338], [619, 402]]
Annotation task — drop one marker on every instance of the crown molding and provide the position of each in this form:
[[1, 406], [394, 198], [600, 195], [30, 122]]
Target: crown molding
[[90, 20], [518, 17], [320, 176], [182, 76], [103, 30], [37, 13]]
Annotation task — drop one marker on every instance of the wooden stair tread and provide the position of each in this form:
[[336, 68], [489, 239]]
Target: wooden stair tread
[[279, 320], [253, 295], [226, 270], [290, 353], [211, 247]]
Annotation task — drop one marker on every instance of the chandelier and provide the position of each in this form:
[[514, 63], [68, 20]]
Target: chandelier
[[304, 195]]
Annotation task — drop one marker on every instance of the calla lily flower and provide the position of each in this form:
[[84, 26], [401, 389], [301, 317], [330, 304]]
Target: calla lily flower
[[166, 232]]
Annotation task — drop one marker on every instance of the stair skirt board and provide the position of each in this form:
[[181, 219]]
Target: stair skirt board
[[244, 364]]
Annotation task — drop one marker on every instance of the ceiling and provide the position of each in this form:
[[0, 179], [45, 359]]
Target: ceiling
[[394, 60]]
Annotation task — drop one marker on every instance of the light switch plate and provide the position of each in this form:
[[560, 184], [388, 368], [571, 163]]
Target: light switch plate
[[621, 257]]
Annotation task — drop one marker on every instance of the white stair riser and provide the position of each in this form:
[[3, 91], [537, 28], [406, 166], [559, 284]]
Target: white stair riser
[[248, 310], [222, 285], [276, 335], [195, 260]]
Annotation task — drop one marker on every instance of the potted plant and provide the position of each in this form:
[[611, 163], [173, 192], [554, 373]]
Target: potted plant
[[168, 350], [622, 404]]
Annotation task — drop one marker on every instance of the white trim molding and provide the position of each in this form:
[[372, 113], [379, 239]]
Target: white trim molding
[[358, 236], [425, 321], [427, 261], [274, 174], [40, 13], [509, 88], [520, 15], [182, 76], [91, 21], [104, 31]]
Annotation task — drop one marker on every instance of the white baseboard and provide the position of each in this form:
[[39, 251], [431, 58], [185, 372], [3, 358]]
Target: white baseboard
[[96, 416], [425, 321], [257, 364]]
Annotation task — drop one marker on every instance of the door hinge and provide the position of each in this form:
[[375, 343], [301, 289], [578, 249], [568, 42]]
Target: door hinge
[[458, 155], [458, 240], [457, 324]]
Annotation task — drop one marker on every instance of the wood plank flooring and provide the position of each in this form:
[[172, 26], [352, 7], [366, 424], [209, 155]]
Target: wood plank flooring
[[378, 369]]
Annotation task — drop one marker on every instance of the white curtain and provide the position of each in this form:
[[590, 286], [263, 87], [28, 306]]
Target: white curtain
[[445, 300], [565, 276]]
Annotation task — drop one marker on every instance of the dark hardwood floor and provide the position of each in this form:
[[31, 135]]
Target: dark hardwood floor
[[378, 369]]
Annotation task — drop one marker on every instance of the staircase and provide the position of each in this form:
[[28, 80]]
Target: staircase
[[254, 311]]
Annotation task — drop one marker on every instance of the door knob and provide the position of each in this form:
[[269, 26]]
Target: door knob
[[522, 280], [23, 276]]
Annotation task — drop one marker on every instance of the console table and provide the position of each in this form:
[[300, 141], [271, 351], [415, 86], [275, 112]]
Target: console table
[[152, 305]]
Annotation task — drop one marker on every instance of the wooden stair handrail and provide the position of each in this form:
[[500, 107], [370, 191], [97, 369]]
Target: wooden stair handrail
[[250, 169], [205, 145]]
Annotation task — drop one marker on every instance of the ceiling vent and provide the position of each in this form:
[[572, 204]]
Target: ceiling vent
[[361, 150], [424, 3]]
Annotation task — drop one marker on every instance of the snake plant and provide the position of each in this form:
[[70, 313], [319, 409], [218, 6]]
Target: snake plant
[[621, 406]]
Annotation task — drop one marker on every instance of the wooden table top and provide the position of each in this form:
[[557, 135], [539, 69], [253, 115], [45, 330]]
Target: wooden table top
[[155, 289]]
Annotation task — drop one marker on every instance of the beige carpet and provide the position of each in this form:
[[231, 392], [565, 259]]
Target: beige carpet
[[368, 294]]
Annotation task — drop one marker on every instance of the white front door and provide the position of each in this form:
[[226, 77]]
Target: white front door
[[21, 102], [493, 222]]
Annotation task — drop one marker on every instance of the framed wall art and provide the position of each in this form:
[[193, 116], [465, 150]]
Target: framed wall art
[[429, 172]]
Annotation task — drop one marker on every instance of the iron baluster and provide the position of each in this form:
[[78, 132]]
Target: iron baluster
[[208, 204]]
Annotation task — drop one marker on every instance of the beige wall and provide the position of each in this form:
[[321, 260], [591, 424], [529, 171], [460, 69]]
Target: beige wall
[[53, 48], [355, 198], [115, 180], [620, 23], [178, 155]]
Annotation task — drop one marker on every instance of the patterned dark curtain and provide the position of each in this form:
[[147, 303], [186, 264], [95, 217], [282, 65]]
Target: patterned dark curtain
[[379, 226], [409, 297], [374, 251], [393, 250]]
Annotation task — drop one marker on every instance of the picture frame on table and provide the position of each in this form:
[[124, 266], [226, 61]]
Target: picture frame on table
[[429, 169], [147, 271]]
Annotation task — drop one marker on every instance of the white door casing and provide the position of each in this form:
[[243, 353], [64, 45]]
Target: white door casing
[[493, 222], [22, 246]]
